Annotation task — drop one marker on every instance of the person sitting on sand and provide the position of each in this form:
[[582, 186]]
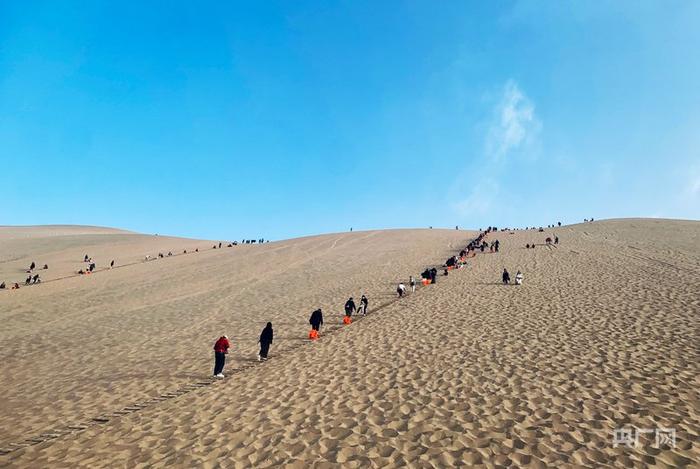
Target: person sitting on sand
[[15, 286], [46, 266], [316, 319], [364, 302], [2, 286], [412, 283], [85, 259], [111, 264], [92, 267], [32, 267], [220, 350], [556, 240], [506, 277], [527, 246], [548, 240], [349, 307], [81, 272], [519, 278], [28, 281], [36, 279], [401, 289], [433, 275], [265, 341], [446, 273]]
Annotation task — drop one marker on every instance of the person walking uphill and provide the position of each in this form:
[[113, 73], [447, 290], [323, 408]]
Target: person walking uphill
[[350, 307], [364, 302], [265, 341], [506, 277], [220, 350], [316, 319]]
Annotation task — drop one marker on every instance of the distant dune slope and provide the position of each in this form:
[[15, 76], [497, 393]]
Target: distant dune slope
[[604, 333], [63, 248]]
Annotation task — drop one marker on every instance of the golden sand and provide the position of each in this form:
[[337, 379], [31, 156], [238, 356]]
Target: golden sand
[[603, 334]]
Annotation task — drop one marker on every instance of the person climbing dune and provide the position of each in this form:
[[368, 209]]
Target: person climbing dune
[[265, 341], [316, 320], [349, 307], [220, 350]]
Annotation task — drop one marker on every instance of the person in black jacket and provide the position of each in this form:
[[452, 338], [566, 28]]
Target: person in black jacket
[[433, 275], [265, 341], [316, 319], [350, 307], [364, 302], [506, 277]]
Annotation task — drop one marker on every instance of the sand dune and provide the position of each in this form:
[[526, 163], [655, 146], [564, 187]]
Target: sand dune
[[603, 334]]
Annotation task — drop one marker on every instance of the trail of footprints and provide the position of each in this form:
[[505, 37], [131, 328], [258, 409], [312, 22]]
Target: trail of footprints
[[185, 389]]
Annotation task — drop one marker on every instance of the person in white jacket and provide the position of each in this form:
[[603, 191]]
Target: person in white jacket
[[519, 278]]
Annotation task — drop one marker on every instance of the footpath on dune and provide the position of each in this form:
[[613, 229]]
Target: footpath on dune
[[104, 319], [467, 372]]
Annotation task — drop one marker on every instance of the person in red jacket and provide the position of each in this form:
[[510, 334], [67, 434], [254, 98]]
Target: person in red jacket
[[220, 350]]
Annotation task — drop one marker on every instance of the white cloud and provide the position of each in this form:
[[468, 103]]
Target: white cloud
[[514, 123], [514, 127]]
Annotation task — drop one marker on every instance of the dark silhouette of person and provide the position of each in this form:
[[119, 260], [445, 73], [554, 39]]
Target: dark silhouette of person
[[559, 223], [2, 286], [316, 319], [363, 304], [31, 267], [219, 245], [28, 281], [433, 275], [85, 259], [111, 264], [506, 277], [265, 341], [496, 244], [556, 240], [46, 266], [92, 267], [36, 279], [350, 307]]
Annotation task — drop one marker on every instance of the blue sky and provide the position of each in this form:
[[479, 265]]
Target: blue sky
[[230, 120]]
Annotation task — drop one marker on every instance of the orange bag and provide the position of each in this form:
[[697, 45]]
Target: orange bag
[[313, 334], [347, 320], [426, 281]]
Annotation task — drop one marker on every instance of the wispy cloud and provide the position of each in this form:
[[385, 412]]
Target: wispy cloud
[[514, 127], [514, 123]]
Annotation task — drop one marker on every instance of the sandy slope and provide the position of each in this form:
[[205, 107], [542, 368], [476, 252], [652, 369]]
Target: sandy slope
[[604, 334]]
